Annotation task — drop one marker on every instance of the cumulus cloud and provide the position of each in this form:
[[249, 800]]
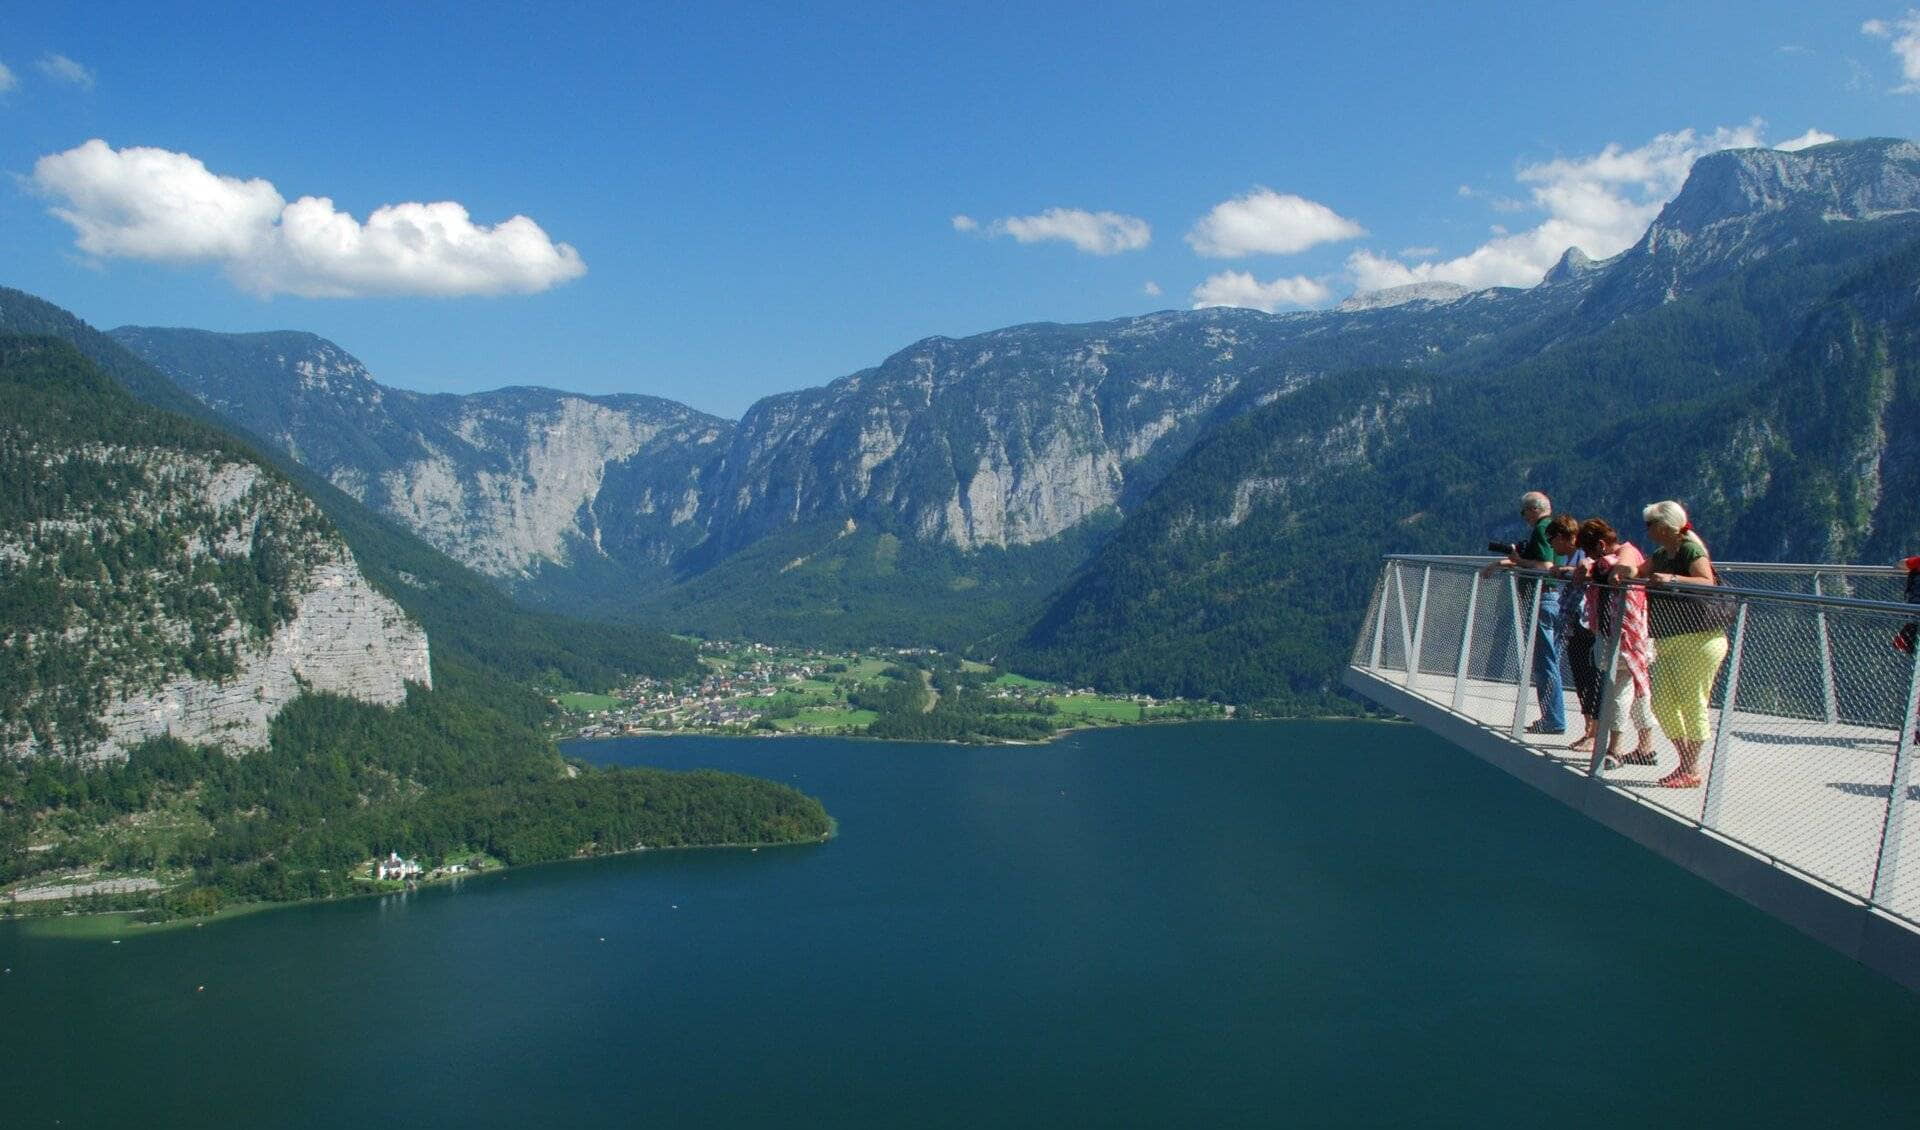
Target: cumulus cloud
[[62, 69], [1601, 203], [1239, 288], [1904, 32], [1151, 289], [162, 206], [1096, 233], [8, 80], [1265, 222]]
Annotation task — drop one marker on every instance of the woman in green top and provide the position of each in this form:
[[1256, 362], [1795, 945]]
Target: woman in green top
[[1691, 646]]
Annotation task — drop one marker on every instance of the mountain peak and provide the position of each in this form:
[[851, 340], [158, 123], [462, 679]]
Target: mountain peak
[[1572, 265], [1843, 180]]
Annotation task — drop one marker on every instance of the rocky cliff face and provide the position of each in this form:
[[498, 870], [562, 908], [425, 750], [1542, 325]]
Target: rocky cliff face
[[1003, 439], [170, 650], [527, 480], [507, 482], [1739, 206], [1837, 182], [344, 638], [158, 581]]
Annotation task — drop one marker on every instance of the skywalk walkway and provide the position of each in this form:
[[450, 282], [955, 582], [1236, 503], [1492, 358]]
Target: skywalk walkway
[[1810, 799]]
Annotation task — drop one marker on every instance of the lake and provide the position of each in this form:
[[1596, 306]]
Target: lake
[[1231, 924]]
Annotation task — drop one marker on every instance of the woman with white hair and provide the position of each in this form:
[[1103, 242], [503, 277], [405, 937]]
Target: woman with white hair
[[1692, 637]]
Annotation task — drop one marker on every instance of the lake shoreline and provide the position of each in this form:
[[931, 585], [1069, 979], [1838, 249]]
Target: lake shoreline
[[131, 925], [1063, 732]]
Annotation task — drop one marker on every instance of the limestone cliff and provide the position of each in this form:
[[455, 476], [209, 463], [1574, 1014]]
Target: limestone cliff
[[510, 482], [157, 580]]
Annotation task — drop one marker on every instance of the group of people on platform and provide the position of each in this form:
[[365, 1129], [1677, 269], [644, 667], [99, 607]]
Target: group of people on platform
[[1669, 647]]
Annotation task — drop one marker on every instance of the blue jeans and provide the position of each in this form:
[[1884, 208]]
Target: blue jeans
[[1546, 663]]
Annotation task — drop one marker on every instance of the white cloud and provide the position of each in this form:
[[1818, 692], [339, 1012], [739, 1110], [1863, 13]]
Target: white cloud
[[1419, 252], [1151, 289], [1806, 140], [153, 204], [1239, 288], [63, 69], [8, 80], [1096, 233], [1905, 34], [1601, 203], [1265, 222]]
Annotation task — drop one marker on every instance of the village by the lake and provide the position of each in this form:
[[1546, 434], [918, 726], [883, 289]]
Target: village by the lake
[[750, 688]]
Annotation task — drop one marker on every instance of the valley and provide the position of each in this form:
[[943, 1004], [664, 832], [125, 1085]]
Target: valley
[[765, 690], [298, 618], [740, 565]]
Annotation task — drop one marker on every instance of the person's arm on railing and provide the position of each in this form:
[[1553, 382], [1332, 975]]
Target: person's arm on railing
[[1699, 571], [1523, 565]]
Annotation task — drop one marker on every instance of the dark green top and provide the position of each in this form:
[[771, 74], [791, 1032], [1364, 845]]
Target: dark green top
[[1539, 547], [1691, 609], [1679, 559]]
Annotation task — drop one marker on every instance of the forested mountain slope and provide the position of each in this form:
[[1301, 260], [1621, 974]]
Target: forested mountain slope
[[472, 623], [1246, 573], [156, 579], [199, 686]]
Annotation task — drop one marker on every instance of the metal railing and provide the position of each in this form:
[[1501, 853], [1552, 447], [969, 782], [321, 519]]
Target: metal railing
[[1808, 752]]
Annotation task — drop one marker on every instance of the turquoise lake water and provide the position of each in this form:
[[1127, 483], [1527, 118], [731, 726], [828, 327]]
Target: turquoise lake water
[[1207, 925]]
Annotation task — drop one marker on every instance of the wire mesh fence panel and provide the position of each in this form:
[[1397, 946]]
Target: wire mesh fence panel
[[1882, 584], [1363, 644], [1396, 619], [1853, 582], [1870, 669], [1777, 728], [1787, 661], [1499, 629], [1899, 893], [1798, 582], [1444, 623], [1784, 778]]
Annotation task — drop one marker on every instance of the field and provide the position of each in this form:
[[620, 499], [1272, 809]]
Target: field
[[828, 719], [1096, 709], [581, 703], [1012, 680]]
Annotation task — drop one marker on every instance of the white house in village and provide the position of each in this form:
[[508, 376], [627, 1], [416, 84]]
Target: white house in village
[[393, 867]]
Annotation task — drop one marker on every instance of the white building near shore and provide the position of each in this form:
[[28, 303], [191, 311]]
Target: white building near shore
[[393, 867]]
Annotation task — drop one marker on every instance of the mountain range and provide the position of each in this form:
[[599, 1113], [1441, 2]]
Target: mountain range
[[1187, 501]]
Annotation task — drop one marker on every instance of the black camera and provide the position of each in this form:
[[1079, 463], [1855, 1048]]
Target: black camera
[[1504, 548]]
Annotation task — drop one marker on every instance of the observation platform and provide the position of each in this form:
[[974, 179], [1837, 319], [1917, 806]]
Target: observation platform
[[1809, 807]]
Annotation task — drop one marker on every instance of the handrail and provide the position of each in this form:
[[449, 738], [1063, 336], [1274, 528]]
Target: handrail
[[1799, 706], [1822, 601], [1785, 567]]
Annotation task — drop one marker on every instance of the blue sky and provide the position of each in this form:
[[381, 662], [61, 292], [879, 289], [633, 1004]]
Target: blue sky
[[722, 201]]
